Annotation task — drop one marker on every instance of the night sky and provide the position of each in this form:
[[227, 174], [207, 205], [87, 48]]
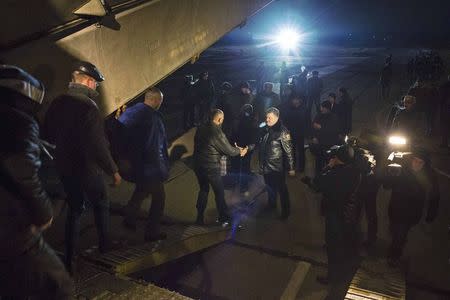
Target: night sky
[[356, 16]]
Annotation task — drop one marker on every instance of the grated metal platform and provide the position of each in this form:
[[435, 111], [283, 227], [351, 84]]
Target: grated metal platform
[[181, 241], [374, 280], [96, 284]]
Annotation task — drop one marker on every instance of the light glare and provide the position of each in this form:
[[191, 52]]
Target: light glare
[[288, 39], [397, 140]]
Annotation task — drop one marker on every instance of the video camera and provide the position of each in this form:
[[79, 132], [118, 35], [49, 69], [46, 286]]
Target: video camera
[[363, 159], [350, 152]]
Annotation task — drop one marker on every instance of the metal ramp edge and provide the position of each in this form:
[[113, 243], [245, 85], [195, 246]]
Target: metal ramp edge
[[374, 280], [94, 283], [182, 241]]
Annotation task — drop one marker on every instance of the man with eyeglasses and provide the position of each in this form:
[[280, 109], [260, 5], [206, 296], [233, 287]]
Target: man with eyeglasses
[[75, 125]]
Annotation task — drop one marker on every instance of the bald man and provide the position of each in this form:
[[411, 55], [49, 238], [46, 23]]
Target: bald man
[[210, 144], [149, 160]]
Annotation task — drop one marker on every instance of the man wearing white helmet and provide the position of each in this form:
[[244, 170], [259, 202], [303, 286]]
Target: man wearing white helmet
[[29, 267]]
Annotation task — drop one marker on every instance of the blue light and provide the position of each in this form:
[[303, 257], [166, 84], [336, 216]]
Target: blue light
[[288, 39]]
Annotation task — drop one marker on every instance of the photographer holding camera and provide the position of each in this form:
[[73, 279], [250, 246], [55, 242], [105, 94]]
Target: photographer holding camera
[[414, 185], [339, 183]]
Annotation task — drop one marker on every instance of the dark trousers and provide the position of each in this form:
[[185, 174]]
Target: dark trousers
[[340, 246], [143, 190], [367, 196], [298, 141], [240, 168], [399, 234], [82, 193], [321, 159], [276, 184], [206, 178], [37, 273], [188, 115]]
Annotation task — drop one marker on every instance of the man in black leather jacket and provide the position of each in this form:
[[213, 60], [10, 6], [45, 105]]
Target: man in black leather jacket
[[75, 125], [210, 144], [29, 267], [274, 147]]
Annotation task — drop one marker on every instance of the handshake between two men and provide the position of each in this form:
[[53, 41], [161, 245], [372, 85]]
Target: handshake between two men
[[243, 150]]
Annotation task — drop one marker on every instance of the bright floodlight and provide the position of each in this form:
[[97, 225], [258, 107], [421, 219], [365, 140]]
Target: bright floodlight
[[397, 140], [288, 39]]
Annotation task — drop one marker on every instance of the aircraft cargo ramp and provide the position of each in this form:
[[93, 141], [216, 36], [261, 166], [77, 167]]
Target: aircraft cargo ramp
[[97, 284], [182, 240], [135, 44], [104, 276]]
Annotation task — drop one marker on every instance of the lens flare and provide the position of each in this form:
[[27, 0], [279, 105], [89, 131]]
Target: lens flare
[[397, 140], [288, 39]]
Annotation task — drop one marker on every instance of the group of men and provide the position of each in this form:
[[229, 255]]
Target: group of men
[[347, 188], [74, 126], [238, 125]]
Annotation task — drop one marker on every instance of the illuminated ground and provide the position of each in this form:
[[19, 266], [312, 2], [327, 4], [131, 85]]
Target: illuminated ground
[[263, 259]]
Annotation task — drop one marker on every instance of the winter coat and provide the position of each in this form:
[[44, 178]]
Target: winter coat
[[410, 194], [314, 87], [204, 92], [23, 199], [328, 134], [339, 186], [74, 124], [344, 111], [146, 138], [295, 119], [263, 101]]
